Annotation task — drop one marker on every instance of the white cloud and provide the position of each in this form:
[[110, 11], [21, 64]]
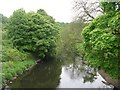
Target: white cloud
[[59, 9]]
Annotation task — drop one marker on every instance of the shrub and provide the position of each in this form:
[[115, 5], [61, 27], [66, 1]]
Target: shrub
[[8, 76], [13, 72]]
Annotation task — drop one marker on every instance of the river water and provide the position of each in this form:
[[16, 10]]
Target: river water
[[60, 74]]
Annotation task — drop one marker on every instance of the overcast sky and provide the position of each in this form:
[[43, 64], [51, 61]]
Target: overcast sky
[[61, 10]]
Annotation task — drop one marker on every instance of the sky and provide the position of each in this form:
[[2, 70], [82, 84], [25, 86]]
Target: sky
[[60, 10]]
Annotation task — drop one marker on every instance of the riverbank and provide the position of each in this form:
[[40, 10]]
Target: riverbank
[[54, 74], [12, 69], [109, 80]]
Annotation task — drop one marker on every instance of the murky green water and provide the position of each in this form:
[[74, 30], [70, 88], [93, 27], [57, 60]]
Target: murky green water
[[56, 74]]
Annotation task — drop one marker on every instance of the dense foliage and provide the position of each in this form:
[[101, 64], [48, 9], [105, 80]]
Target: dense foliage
[[102, 42], [69, 43], [14, 62], [33, 32], [23, 33], [109, 6], [8, 52]]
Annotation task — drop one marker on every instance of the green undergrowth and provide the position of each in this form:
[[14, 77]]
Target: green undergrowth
[[14, 62], [11, 69]]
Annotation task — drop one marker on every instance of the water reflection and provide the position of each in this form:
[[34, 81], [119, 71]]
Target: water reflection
[[44, 75], [51, 74], [79, 70], [79, 75]]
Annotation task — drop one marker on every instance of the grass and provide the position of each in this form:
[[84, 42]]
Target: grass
[[11, 69]]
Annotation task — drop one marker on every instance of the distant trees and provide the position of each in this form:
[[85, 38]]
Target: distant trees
[[69, 44], [3, 19], [33, 32]]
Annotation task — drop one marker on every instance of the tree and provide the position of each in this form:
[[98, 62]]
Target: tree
[[3, 19], [101, 41], [33, 32], [70, 40], [87, 10], [109, 6]]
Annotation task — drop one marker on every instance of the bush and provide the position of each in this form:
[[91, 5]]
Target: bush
[[19, 70], [13, 72], [10, 54], [8, 76]]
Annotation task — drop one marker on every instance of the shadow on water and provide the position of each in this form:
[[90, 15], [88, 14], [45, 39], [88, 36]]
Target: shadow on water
[[56, 74], [42, 75]]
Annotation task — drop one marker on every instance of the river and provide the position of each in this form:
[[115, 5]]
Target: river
[[60, 74]]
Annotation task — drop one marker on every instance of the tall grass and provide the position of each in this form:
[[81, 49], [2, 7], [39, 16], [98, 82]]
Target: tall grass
[[14, 68]]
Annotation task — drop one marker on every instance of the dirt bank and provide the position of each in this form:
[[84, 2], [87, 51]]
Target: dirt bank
[[114, 82]]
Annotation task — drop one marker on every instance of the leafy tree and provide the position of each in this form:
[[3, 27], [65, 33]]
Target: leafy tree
[[3, 19], [33, 32], [109, 6], [101, 43]]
